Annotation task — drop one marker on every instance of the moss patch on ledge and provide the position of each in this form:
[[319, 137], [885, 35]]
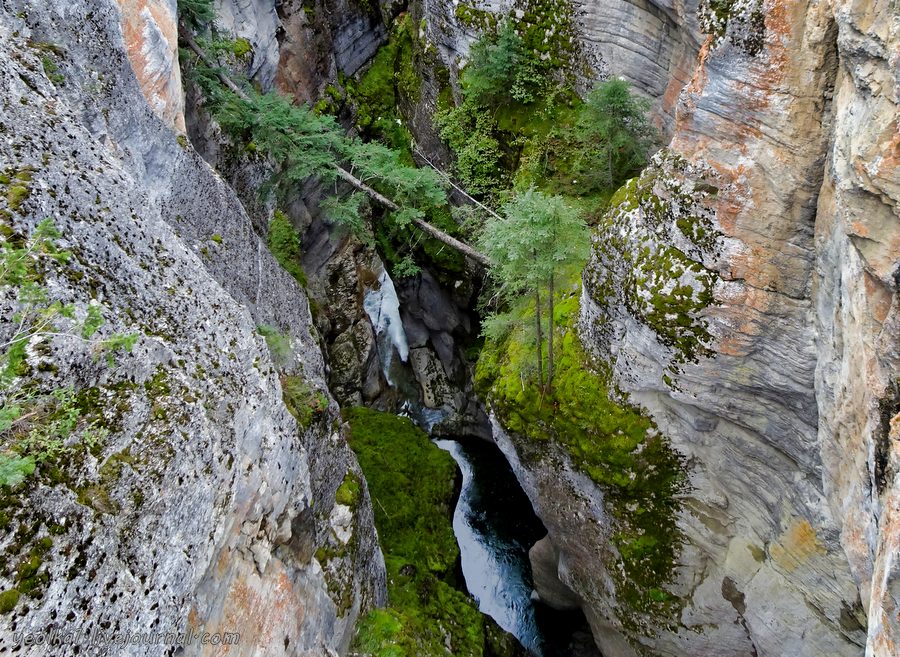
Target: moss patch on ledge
[[412, 485], [285, 246], [648, 256], [613, 442]]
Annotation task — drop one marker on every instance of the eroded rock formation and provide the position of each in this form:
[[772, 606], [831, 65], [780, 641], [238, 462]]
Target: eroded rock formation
[[207, 504], [743, 289]]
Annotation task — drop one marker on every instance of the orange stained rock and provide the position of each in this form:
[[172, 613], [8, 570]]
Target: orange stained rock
[[263, 609], [859, 228], [880, 298], [796, 546], [158, 73]]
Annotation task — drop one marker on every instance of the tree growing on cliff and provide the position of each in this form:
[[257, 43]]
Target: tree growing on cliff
[[613, 137], [302, 144], [196, 13], [501, 71], [539, 237]]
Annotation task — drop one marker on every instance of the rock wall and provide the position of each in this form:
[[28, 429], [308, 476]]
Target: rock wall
[[208, 504], [653, 44], [322, 40], [857, 235], [744, 291]]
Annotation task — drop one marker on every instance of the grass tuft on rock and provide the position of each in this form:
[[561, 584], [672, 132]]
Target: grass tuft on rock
[[285, 246]]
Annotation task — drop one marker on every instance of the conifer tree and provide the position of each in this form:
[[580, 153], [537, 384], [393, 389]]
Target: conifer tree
[[539, 236], [613, 136]]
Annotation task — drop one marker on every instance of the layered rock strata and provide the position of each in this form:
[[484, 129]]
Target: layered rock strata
[[743, 290]]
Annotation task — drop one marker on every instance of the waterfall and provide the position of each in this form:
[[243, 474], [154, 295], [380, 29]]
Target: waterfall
[[383, 307]]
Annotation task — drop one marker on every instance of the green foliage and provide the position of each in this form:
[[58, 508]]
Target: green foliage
[[14, 469], [383, 633], [508, 98], [414, 190], [305, 144], [304, 403], [539, 239], [219, 46], [35, 426], [348, 491], [22, 270], [612, 138], [411, 482], [539, 236], [285, 246], [279, 344], [392, 70], [302, 143], [241, 47], [37, 429], [613, 442], [196, 13], [469, 131], [501, 67], [51, 71]]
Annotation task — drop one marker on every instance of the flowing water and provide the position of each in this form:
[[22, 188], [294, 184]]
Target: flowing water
[[383, 308], [495, 526]]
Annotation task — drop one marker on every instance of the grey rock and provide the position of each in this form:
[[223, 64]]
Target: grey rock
[[548, 588], [199, 526]]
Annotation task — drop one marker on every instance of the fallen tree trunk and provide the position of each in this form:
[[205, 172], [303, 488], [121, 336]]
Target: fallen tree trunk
[[421, 224]]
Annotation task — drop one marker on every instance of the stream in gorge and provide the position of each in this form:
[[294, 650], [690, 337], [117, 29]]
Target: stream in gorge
[[493, 522], [495, 526]]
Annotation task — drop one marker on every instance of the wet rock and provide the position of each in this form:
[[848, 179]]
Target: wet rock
[[549, 589]]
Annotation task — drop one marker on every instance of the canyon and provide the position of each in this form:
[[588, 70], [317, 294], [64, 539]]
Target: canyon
[[741, 294]]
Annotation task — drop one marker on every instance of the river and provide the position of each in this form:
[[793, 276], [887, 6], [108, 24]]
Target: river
[[495, 526]]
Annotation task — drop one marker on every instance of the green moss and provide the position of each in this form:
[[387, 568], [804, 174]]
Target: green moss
[[8, 600], [216, 238], [112, 469], [659, 284], [16, 195], [97, 498], [51, 70], [303, 403], [613, 442], [395, 70], [182, 141], [158, 386], [348, 491], [241, 47], [748, 23], [412, 484], [285, 246]]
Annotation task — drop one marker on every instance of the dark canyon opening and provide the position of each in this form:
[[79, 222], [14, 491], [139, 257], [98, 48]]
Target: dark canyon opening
[[495, 526]]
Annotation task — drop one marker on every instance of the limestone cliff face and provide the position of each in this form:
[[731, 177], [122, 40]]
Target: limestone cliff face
[[744, 291], [857, 236], [151, 36], [651, 43], [207, 504]]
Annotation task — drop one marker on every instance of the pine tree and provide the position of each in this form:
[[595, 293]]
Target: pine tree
[[539, 236], [613, 136]]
